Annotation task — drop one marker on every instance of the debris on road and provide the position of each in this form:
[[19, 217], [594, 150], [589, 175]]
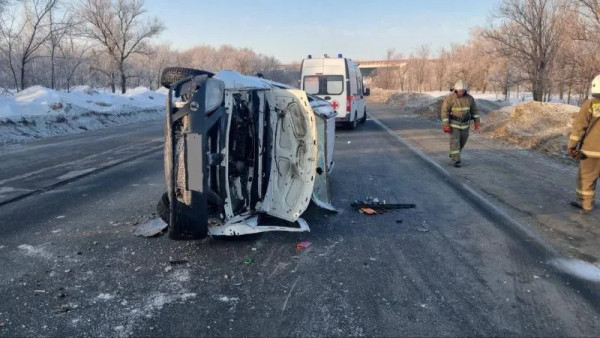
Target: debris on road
[[63, 308], [373, 206], [248, 261], [178, 262], [151, 228], [368, 211], [168, 268], [303, 245], [399, 221], [422, 229]]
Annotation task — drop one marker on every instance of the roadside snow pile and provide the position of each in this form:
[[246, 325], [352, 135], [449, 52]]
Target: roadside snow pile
[[430, 104], [410, 100], [539, 126], [38, 112], [433, 107], [379, 95]]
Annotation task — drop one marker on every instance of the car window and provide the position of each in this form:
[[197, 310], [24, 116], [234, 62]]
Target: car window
[[311, 85], [324, 84]]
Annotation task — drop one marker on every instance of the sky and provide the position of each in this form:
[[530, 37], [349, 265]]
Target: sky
[[290, 30]]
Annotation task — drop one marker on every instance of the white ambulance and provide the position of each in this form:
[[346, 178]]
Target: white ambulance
[[339, 81]]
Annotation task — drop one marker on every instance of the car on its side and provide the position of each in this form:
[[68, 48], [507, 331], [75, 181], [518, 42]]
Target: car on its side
[[243, 154]]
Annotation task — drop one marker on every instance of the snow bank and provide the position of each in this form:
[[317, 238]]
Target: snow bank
[[430, 104], [38, 112], [533, 125], [379, 95]]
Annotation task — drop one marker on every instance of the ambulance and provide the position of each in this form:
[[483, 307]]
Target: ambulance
[[340, 82]]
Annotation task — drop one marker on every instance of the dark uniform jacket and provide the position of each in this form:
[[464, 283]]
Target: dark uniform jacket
[[588, 117], [458, 111]]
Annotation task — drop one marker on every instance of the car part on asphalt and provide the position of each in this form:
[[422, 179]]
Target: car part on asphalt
[[380, 207], [151, 228]]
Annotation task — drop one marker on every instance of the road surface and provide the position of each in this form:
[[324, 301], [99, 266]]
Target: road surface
[[71, 265]]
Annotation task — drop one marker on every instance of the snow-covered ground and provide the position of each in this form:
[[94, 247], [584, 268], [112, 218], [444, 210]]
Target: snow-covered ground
[[38, 112], [382, 95]]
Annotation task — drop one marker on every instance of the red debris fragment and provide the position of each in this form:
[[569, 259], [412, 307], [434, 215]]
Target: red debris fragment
[[303, 245]]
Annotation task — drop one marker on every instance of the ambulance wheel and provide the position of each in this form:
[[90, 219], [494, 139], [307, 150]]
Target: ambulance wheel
[[354, 122], [364, 118]]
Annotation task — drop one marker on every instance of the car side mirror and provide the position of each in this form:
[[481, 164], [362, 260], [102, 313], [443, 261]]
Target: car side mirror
[[367, 91]]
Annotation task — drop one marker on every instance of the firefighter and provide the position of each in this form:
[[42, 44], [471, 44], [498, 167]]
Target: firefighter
[[584, 145], [457, 112]]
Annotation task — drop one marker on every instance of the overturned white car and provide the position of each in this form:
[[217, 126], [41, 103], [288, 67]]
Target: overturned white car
[[243, 155]]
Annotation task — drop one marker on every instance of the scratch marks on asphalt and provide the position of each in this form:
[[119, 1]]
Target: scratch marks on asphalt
[[289, 294]]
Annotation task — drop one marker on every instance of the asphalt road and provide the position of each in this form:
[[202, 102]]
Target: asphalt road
[[71, 265], [532, 187]]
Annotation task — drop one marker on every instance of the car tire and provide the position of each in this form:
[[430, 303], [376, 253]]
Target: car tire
[[354, 123], [171, 75], [364, 118], [162, 209]]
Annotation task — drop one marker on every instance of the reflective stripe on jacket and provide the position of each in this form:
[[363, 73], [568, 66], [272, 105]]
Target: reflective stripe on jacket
[[458, 111]]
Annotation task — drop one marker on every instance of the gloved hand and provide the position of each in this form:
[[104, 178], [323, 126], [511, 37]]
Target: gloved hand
[[477, 125], [576, 154], [447, 129]]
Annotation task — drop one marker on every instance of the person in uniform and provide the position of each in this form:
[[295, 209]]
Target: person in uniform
[[458, 110], [584, 145]]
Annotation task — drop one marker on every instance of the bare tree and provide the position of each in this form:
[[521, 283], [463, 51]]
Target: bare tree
[[386, 75], [120, 28], [421, 69], [64, 29], [440, 69], [589, 11], [529, 33], [23, 35]]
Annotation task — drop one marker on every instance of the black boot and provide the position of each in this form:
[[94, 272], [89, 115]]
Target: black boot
[[580, 207]]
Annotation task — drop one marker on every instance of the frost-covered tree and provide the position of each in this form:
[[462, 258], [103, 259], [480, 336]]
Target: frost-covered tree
[[121, 28]]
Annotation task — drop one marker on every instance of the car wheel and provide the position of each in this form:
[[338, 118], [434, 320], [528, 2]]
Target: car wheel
[[181, 216], [354, 122], [364, 118], [171, 75], [162, 208]]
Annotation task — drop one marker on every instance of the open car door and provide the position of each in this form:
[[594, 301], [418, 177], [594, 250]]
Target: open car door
[[294, 155]]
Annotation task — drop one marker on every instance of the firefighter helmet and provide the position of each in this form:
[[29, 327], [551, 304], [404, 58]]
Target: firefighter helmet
[[596, 85], [461, 85]]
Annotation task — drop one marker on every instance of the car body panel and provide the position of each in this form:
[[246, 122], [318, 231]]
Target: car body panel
[[294, 155], [325, 118], [250, 225]]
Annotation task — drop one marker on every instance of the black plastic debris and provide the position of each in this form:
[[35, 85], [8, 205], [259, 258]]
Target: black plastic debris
[[380, 206]]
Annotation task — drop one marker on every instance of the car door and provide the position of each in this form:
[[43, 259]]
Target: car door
[[294, 154]]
